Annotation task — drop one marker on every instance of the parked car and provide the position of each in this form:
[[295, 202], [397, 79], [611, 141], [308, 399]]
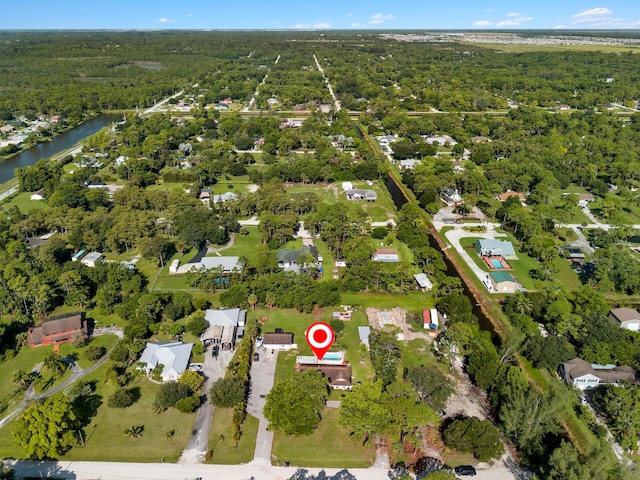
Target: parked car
[[215, 351], [465, 471], [256, 357], [259, 341]]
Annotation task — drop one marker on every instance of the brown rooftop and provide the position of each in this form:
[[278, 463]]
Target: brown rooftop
[[625, 314], [510, 193], [55, 330], [386, 251], [339, 376]]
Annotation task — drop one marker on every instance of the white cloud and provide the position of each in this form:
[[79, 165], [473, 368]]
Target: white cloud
[[164, 20], [514, 21], [601, 17], [358, 25], [482, 23], [379, 18], [513, 14], [317, 25]]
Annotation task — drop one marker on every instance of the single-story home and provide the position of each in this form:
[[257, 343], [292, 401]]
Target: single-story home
[[450, 196], [278, 340], [173, 356], [223, 325], [586, 376], [502, 282], [387, 255], [480, 139], [368, 195], [510, 193], [37, 195], [288, 259], [489, 247], [225, 197], [339, 376], [227, 264], [58, 330], [439, 140], [409, 163], [92, 259], [627, 318], [347, 186], [575, 254], [423, 282]]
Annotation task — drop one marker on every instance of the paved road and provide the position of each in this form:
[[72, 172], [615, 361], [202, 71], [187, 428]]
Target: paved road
[[156, 107], [336, 103], [165, 471], [214, 369], [262, 378], [8, 193]]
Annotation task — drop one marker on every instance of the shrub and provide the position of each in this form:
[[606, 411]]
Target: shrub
[[228, 391], [94, 353], [121, 398], [472, 435], [193, 380], [197, 325], [170, 393], [188, 405]]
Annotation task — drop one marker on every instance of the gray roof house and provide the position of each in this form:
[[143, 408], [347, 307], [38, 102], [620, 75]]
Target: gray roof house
[[488, 247], [173, 356], [450, 196], [288, 259], [586, 376], [368, 195], [627, 318], [423, 282], [223, 326], [228, 265], [225, 197]]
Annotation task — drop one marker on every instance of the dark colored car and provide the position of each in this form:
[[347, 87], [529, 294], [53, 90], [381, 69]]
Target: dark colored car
[[465, 471], [215, 350], [256, 357]]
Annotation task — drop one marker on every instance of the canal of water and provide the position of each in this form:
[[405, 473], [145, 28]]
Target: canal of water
[[57, 144]]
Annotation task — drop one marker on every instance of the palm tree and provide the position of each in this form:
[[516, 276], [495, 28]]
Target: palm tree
[[55, 365], [252, 300], [134, 431], [521, 303], [270, 300]]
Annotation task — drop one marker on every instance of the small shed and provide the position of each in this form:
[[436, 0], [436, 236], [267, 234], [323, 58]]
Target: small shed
[[423, 282], [92, 259], [502, 282]]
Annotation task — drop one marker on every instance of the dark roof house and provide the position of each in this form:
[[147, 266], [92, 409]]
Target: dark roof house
[[339, 376], [586, 376], [58, 330]]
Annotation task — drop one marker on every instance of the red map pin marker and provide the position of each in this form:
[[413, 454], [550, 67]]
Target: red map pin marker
[[320, 337]]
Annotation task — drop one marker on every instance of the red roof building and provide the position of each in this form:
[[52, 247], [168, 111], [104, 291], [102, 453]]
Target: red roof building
[[58, 330]]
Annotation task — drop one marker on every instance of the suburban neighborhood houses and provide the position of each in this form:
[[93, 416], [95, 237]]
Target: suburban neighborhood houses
[[459, 220]]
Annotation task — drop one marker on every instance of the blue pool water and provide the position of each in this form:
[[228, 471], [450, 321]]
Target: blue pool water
[[332, 356], [496, 264]]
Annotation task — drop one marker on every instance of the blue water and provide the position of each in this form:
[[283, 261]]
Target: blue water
[[496, 264], [332, 356]]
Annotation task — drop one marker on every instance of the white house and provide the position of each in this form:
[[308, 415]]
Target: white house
[[37, 195], [227, 264], [173, 356], [91, 259], [627, 318], [278, 340], [387, 255], [225, 197], [586, 376], [409, 163], [347, 186]]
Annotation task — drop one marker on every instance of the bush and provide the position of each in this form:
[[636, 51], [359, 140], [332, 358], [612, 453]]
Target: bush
[[472, 435], [188, 405], [200, 303], [193, 380], [228, 391], [94, 353], [197, 325], [121, 398], [170, 393]]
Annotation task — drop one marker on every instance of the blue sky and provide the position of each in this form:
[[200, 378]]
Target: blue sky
[[326, 14]]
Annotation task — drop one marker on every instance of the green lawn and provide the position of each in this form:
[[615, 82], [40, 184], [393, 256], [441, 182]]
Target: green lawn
[[521, 267], [244, 245], [328, 446], [324, 191], [412, 302], [25, 360], [107, 341], [221, 438], [25, 204]]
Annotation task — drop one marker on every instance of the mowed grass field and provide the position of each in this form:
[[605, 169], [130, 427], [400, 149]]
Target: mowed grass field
[[330, 445], [221, 438]]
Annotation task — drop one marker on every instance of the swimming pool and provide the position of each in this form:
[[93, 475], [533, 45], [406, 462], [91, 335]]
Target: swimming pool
[[333, 356], [497, 264]]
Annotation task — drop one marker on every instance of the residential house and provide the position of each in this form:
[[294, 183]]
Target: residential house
[[409, 163], [627, 318], [564, 107], [368, 195], [347, 186], [172, 356], [440, 140], [386, 255], [489, 247], [78, 255], [37, 195], [480, 139], [575, 254], [423, 282], [92, 259], [7, 129], [289, 260], [291, 123], [58, 329], [502, 282], [223, 327], [586, 376], [225, 264], [272, 102], [510, 193], [225, 197], [278, 340], [585, 198], [339, 376], [450, 196]]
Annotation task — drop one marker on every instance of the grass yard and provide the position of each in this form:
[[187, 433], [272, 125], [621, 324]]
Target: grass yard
[[244, 245], [324, 191], [107, 341], [412, 302], [221, 438], [521, 267], [329, 446], [25, 204], [106, 442], [25, 360]]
